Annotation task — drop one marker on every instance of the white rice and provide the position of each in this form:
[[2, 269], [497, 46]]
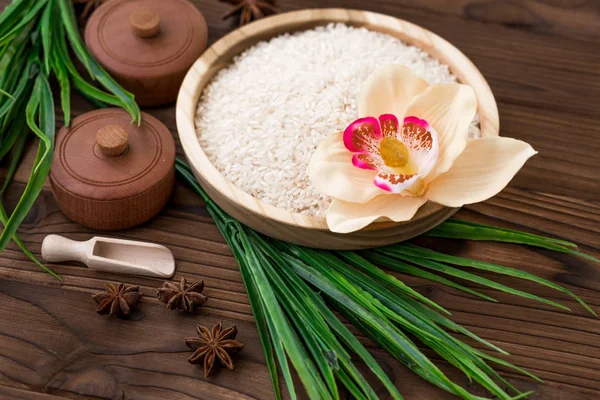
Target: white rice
[[260, 119]]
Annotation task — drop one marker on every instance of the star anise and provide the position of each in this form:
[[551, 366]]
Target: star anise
[[214, 347], [118, 301], [184, 297], [250, 10]]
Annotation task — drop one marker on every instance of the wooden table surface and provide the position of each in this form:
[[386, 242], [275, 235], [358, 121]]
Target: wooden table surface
[[542, 61]]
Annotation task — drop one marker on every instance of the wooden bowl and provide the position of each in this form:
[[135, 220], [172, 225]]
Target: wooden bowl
[[293, 227]]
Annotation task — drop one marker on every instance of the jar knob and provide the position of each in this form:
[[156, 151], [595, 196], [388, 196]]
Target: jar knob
[[112, 140], [145, 22]]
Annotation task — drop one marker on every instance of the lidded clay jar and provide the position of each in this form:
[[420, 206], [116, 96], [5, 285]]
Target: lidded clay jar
[[147, 45], [110, 174]]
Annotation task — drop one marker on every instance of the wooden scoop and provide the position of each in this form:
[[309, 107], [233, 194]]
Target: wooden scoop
[[112, 255]]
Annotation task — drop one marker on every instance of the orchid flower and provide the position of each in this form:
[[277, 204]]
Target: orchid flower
[[410, 145]]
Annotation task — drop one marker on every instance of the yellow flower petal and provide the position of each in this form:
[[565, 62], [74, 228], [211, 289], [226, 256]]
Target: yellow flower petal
[[482, 170], [331, 172], [449, 108], [345, 217], [388, 91]]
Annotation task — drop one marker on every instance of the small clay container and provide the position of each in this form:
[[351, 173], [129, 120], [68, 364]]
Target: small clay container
[[147, 45], [110, 174]]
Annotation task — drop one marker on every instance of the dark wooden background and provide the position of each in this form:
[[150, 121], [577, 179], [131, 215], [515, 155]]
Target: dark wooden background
[[542, 60]]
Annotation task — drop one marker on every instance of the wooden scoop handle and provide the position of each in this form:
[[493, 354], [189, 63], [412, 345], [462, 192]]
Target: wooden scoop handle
[[56, 248]]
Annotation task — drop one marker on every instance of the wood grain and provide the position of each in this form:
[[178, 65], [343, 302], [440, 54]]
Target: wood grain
[[546, 80], [295, 227], [112, 140]]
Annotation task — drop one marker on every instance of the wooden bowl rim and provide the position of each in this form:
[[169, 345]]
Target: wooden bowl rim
[[410, 33]]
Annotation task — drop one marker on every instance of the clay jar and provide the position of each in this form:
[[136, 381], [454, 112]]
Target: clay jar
[[110, 174], [147, 45]]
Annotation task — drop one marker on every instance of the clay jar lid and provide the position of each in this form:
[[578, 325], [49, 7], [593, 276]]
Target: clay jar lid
[[147, 45], [109, 174]]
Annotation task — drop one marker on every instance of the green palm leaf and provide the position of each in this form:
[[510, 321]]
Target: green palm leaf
[[42, 96], [416, 251], [455, 229], [284, 282], [96, 71], [33, 47], [458, 273], [397, 265]]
